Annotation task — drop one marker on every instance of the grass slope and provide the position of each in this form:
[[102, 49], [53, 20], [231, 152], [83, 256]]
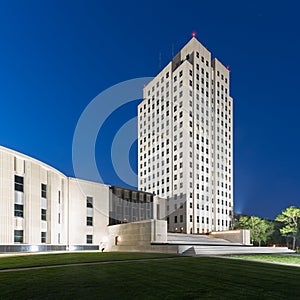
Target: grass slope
[[282, 258], [35, 260], [182, 278]]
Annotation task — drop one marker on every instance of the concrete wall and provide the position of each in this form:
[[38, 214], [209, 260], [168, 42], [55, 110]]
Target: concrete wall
[[6, 199], [79, 190], [139, 236], [234, 236], [159, 208], [34, 173], [65, 202]]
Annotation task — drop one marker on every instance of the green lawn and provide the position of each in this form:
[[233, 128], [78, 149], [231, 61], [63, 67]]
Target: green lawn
[[182, 278], [282, 258], [36, 260]]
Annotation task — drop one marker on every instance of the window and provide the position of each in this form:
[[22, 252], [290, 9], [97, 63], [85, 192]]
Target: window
[[89, 221], [43, 237], [44, 190], [181, 218], [89, 239], [18, 236], [43, 214], [19, 183], [89, 202], [175, 219], [19, 210]]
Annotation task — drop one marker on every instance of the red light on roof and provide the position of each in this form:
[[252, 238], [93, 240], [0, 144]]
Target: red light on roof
[[228, 68], [193, 34]]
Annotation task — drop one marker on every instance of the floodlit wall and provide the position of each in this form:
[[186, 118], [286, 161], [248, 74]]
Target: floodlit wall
[[97, 210], [234, 236], [6, 199], [28, 214], [42, 210], [185, 135], [140, 236]]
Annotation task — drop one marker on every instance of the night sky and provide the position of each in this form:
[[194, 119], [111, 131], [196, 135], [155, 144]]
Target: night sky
[[56, 56]]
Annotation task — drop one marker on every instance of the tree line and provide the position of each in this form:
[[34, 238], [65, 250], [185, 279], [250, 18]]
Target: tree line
[[286, 225]]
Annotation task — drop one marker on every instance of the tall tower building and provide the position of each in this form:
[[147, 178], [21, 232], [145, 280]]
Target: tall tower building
[[185, 141]]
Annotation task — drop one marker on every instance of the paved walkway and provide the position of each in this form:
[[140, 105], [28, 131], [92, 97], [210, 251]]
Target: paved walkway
[[87, 264]]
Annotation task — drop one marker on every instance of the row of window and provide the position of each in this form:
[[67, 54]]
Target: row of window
[[204, 156], [19, 186], [19, 212], [197, 108], [175, 157], [175, 146], [203, 169], [204, 91], [181, 220], [19, 236], [191, 219], [146, 107], [167, 190], [191, 74], [203, 129], [198, 204], [206, 62], [197, 177]]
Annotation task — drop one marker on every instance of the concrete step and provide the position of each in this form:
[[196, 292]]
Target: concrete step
[[180, 238], [228, 250]]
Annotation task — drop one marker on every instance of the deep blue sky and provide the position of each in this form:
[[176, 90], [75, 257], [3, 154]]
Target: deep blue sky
[[56, 56]]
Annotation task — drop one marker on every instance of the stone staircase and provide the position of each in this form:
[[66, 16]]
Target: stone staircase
[[189, 239], [230, 250], [193, 245]]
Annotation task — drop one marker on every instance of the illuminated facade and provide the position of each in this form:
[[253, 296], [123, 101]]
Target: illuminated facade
[[185, 141], [42, 209]]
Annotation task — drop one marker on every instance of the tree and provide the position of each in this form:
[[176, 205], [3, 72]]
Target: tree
[[277, 237], [260, 229], [290, 217], [265, 230]]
